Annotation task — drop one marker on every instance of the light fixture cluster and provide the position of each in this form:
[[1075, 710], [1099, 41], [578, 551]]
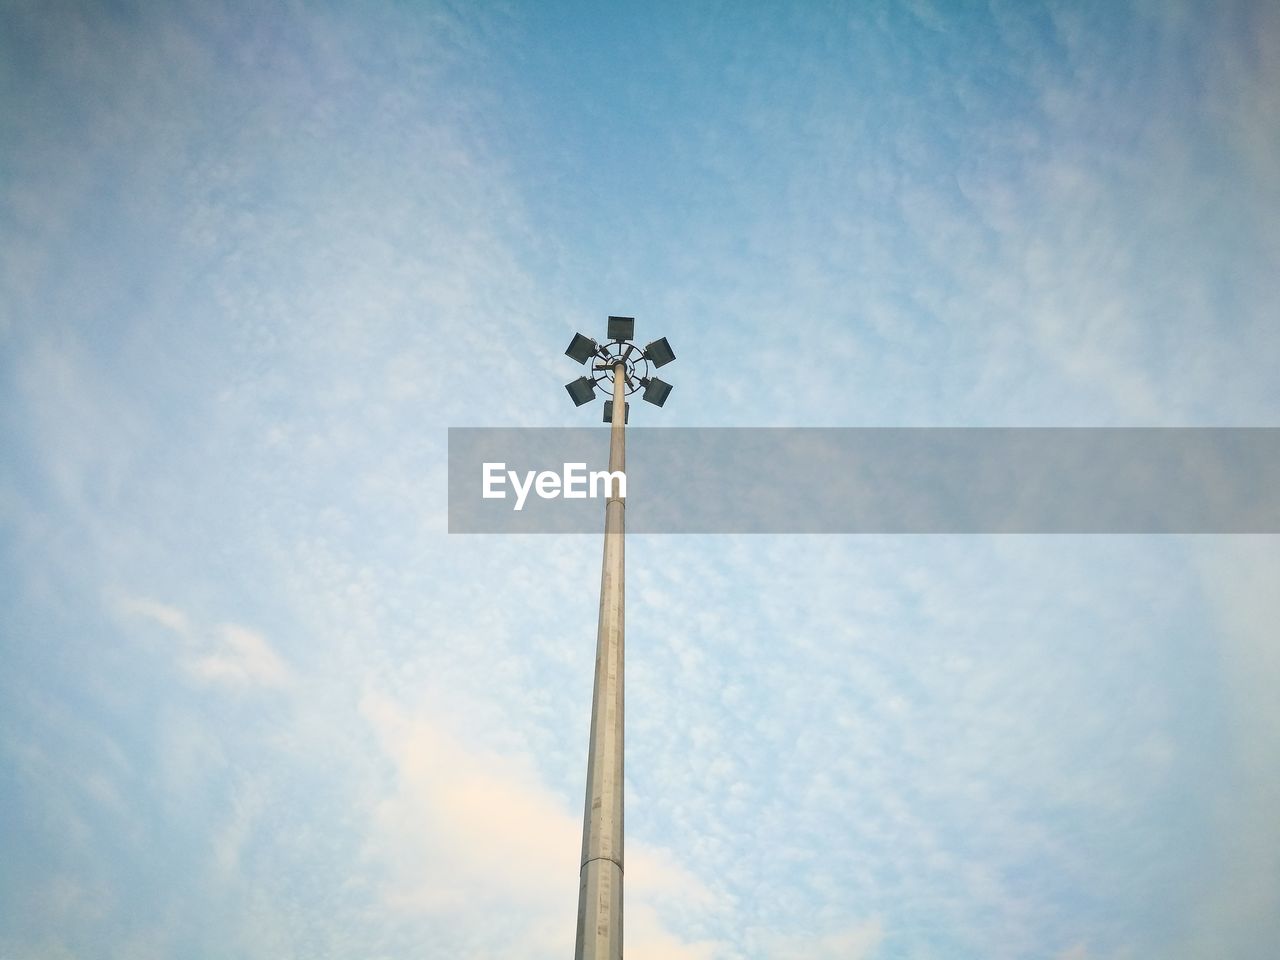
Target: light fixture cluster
[[619, 349]]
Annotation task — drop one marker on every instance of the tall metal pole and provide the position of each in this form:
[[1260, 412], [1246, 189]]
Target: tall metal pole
[[600, 885], [600, 872]]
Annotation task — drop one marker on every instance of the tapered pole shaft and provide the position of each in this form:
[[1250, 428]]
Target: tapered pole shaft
[[600, 885]]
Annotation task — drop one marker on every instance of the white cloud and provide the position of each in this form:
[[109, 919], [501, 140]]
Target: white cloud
[[242, 658], [463, 829], [857, 942], [646, 937], [229, 842], [169, 617], [228, 654]]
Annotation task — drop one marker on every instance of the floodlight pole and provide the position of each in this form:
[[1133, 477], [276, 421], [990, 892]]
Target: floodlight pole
[[600, 885], [600, 872]]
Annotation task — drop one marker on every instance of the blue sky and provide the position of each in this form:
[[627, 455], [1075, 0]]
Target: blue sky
[[255, 259]]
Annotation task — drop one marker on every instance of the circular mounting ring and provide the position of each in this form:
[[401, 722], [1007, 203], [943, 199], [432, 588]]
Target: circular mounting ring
[[608, 356]]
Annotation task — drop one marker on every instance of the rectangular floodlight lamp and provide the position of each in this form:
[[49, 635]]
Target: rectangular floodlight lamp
[[581, 348], [659, 352], [581, 391], [622, 328], [608, 412], [655, 391]]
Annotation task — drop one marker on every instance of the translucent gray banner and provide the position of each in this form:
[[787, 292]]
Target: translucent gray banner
[[886, 480]]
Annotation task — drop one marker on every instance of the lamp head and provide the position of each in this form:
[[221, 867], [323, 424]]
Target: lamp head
[[622, 328], [656, 391], [581, 391], [659, 353], [581, 348]]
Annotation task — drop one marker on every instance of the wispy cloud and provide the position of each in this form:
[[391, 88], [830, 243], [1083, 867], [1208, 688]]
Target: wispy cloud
[[226, 654], [465, 831], [858, 942], [165, 615], [242, 658]]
